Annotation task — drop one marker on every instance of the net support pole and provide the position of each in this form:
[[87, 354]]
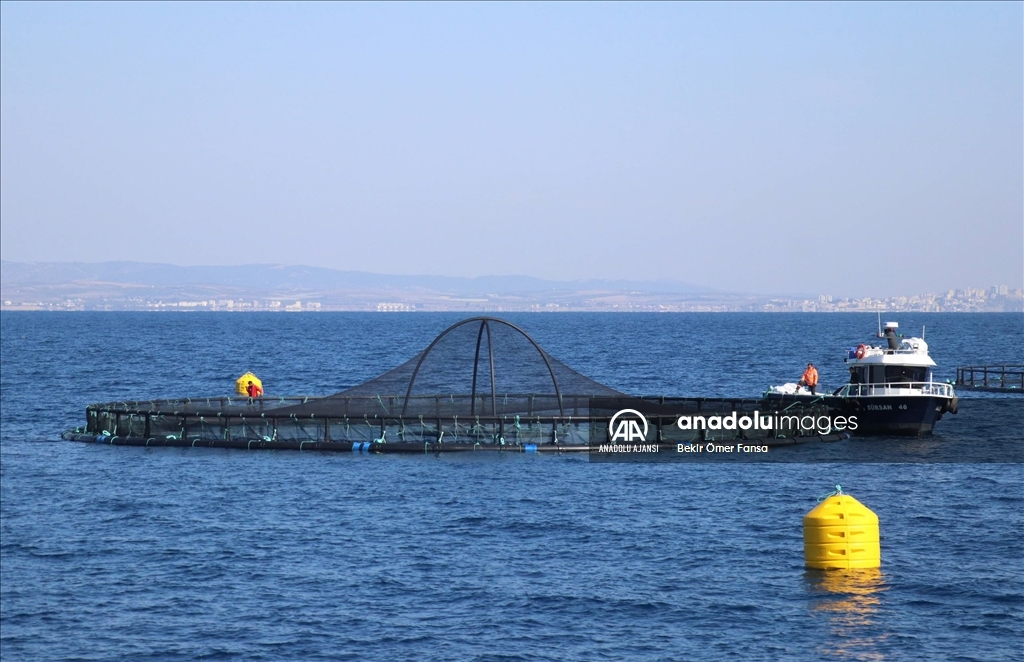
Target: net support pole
[[476, 365], [490, 354]]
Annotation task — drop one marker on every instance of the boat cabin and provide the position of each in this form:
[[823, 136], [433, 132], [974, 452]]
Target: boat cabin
[[876, 365], [903, 364]]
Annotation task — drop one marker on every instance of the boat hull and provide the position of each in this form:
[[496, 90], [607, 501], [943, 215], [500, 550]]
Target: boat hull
[[903, 415]]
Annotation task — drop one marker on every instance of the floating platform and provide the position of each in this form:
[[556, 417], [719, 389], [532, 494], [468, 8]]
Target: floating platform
[[333, 423], [381, 448], [1006, 378], [482, 384]]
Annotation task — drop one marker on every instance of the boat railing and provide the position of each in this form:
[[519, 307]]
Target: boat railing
[[938, 389]]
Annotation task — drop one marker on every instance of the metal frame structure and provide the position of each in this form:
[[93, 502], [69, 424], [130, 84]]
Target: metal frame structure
[[1008, 378], [484, 326]]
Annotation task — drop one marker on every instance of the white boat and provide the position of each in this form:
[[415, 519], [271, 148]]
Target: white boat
[[892, 388]]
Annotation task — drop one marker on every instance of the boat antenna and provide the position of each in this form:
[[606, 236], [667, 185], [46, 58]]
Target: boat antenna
[[879, 323], [922, 332]]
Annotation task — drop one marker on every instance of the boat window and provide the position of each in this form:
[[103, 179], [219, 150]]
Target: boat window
[[877, 374], [905, 373]]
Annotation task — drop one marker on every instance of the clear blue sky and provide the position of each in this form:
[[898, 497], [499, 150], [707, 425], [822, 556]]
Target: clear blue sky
[[864, 149]]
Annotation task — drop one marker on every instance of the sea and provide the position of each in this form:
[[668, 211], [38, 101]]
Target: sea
[[122, 553]]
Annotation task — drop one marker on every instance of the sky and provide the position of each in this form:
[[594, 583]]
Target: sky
[[862, 149]]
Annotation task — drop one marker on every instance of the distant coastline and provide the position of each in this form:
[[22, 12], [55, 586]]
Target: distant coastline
[[124, 286]]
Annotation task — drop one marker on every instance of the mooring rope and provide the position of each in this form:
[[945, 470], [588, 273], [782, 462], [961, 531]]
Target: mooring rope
[[838, 492]]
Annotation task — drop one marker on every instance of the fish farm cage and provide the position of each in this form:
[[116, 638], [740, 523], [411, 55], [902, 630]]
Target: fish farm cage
[[482, 384], [1005, 378]]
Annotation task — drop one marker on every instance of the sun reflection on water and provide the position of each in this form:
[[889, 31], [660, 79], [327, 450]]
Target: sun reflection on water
[[850, 600]]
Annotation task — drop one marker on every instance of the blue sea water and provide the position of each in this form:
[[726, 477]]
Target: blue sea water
[[115, 553]]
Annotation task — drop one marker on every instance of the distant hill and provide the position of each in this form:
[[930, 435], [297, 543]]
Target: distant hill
[[288, 279]]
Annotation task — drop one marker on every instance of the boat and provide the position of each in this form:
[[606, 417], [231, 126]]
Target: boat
[[892, 388]]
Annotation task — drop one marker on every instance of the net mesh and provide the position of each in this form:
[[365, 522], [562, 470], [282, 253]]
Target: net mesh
[[478, 367]]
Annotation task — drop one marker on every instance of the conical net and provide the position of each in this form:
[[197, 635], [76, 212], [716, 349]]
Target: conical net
[[479, 367]]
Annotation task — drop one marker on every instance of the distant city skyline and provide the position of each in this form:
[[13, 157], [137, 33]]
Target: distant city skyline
[[140, 286], [852, 149]]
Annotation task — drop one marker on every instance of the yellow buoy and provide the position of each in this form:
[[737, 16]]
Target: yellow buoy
[[242, 383], [841, 533]]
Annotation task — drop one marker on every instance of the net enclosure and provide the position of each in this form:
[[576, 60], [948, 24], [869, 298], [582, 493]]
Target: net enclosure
[[482, 383]]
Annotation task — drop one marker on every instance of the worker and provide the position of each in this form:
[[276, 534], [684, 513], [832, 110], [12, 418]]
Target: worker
[[891, 337], [810, 378], [854, 376], [254, 391]]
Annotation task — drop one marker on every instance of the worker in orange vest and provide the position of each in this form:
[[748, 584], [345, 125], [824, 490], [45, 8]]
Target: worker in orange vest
[[810, 378]]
